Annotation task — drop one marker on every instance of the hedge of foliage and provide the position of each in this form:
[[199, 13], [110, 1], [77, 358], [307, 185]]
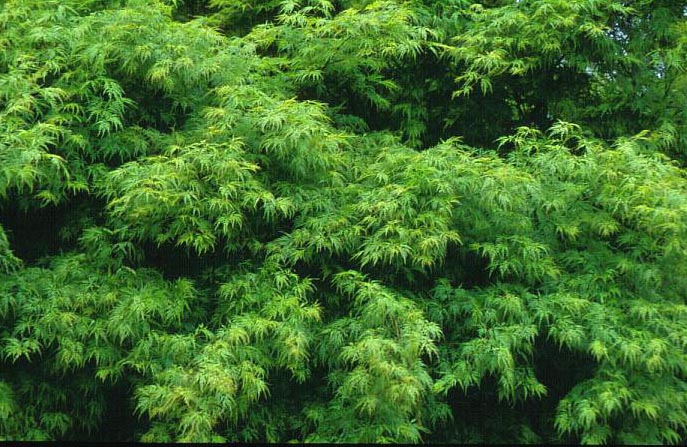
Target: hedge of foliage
[[343, 221]]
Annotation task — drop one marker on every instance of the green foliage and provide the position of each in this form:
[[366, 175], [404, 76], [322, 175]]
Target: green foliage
[[348, 59], [381, 382], [351, 221], [615, 66], [263, 324], [157, 197], [73, 318]]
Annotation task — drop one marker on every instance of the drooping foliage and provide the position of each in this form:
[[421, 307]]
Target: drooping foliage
[[350, 221]]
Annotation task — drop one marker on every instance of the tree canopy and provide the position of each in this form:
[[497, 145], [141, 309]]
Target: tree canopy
[[437, 221]]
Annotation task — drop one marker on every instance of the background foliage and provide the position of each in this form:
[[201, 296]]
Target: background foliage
[[343, 221]]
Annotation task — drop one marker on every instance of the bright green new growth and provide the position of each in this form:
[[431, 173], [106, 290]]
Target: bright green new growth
[[350, 221]]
